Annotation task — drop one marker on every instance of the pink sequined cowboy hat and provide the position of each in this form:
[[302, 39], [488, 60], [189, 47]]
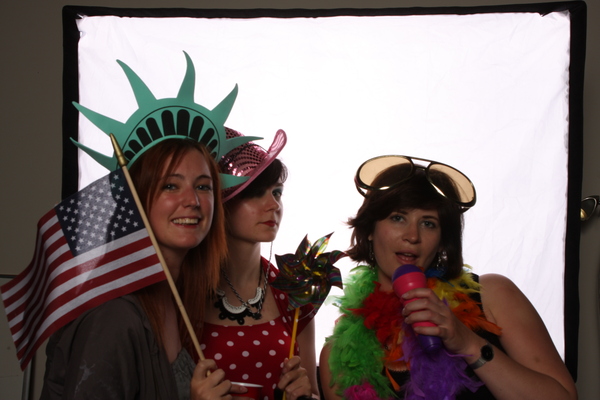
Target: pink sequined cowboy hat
[[248, 160]]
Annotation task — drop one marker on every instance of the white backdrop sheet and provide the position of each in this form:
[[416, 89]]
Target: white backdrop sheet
[[485, 93]]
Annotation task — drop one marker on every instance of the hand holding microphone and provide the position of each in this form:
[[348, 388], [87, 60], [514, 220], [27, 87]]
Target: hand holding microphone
[[408, 277]]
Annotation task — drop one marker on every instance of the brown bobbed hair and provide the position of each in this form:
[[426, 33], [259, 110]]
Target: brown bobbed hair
[[199, 275], [416, 192], [274, 173]]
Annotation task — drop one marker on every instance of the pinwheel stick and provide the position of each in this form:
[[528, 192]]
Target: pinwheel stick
[[294, 330], [293, 343]]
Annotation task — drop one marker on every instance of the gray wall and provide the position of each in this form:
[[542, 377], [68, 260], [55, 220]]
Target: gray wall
[[30, 153]]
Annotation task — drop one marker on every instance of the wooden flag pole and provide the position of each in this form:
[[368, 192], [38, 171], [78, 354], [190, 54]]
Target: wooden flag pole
[[184, 315]]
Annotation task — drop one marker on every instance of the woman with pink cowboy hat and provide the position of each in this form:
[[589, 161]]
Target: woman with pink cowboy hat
[[248, 326]]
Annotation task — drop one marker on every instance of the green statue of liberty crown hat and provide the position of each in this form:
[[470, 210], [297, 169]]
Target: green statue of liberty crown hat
[[156, 120]]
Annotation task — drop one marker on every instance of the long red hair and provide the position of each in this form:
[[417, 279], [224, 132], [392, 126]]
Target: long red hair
[[199, 274]]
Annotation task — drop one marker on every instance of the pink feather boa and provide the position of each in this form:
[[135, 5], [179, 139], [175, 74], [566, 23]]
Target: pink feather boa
[[366, 391]]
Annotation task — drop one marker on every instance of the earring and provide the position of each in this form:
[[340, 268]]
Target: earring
[[371, 253], [442, 261]]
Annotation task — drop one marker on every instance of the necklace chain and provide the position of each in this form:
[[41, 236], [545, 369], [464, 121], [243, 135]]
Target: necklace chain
[[260, 292], [238, 313]]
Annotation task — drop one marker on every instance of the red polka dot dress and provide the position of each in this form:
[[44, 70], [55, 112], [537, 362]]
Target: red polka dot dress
[[255, 353]]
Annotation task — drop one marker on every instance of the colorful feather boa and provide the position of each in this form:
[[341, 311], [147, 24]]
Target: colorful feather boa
[[371, 335]]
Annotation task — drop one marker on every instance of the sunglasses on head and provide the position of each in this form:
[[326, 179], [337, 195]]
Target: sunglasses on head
[[435, 172]]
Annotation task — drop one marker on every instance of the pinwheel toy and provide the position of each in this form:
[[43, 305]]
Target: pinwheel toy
[[307, 276]]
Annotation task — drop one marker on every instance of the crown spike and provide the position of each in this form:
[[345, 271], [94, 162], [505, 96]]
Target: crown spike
[[186, 92], [104, 160], [228, 181], [232, 143], [223, 109], [106, 124], [143, 95]]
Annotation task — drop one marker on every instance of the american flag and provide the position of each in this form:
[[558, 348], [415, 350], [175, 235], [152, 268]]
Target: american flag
[[90, 248]]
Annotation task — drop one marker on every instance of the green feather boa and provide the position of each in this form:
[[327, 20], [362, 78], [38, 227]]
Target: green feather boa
[[354, 348]]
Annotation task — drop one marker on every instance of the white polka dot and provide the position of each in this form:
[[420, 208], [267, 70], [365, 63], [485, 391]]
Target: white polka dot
[[281, 296], [214, 334], [258, 364], [230, 343], [245, 353], [218, 356], [256, 343], [245, 377], [272, 352], [272, 274], [232, 366], [285, 333], [269, 375], [265, 333], [240, 333], [281, 341], [272, 322], [202, 346], [274, 386]]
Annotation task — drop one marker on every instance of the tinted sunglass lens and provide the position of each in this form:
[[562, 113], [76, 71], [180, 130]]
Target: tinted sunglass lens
[[378, 174], [460, 189]]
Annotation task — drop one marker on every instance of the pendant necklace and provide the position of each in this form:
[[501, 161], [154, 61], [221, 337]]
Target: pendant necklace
[[239, 313]]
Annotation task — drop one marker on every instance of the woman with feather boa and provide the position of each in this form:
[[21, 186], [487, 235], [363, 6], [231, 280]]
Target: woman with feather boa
[[493, 344]]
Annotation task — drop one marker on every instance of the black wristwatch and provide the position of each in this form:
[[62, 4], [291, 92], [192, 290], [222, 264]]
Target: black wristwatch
[[487, 354]]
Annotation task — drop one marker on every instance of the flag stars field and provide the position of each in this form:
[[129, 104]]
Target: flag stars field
[[73, 272]]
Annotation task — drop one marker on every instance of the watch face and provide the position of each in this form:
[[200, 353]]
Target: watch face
[[487, 352]]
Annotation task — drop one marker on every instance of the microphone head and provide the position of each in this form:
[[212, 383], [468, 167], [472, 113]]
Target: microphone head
[[405, 269]]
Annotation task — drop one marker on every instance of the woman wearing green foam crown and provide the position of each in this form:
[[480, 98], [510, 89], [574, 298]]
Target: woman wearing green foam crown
[[492, 343], [137, 346]]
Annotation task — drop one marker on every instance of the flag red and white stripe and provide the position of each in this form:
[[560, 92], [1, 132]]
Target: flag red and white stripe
[[90, 248]]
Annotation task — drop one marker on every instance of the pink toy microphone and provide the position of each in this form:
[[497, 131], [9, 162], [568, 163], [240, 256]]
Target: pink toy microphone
[[405, 278]]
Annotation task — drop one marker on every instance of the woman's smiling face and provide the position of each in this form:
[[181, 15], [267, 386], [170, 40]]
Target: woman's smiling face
[[405, 237], [182, 211]]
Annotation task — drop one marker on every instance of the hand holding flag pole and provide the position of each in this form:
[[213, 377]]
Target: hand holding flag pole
[[123, 164]]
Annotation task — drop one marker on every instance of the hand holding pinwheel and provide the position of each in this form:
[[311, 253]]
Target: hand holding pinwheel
[[307, 277]]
